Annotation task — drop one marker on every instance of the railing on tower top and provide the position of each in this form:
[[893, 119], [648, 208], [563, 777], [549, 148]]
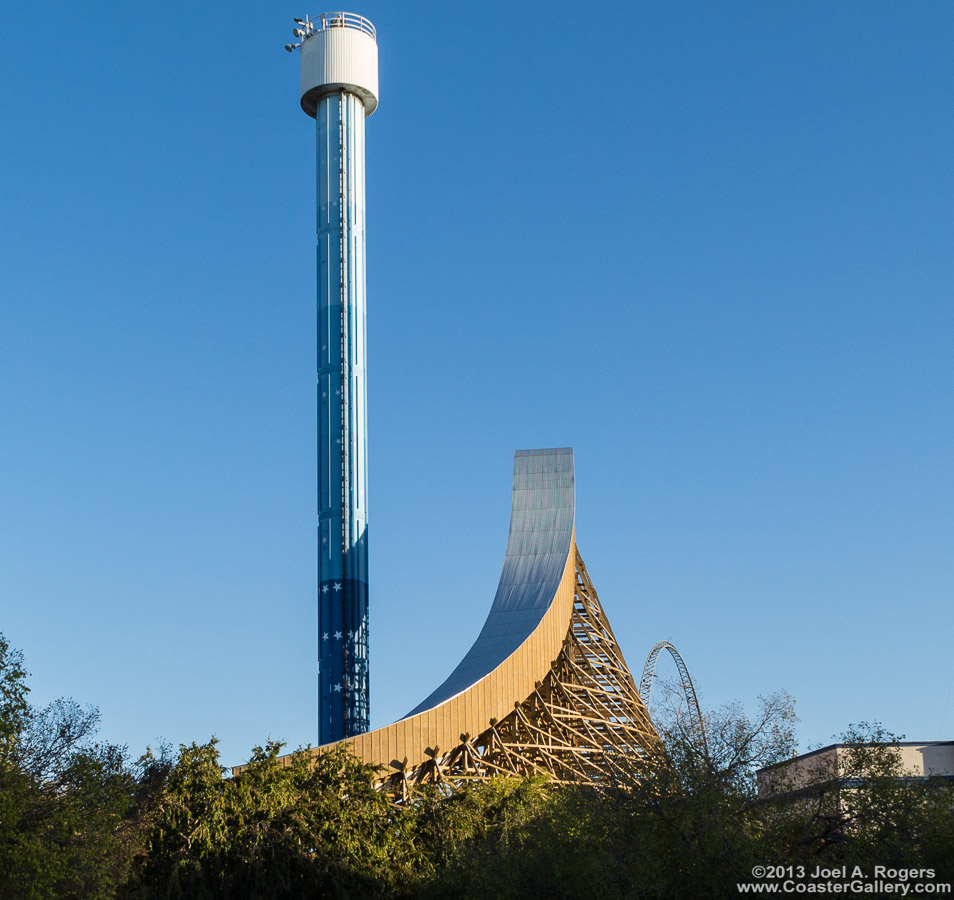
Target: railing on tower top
[[344, 20]]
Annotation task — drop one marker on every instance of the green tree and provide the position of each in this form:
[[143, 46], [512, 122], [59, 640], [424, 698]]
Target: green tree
[[64, 799], [77, 820], [305, 826], [864, 808], [13, 699], [469, 840], [688, 828]]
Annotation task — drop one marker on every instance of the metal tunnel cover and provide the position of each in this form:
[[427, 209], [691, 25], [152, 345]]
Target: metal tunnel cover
[[540, 540]]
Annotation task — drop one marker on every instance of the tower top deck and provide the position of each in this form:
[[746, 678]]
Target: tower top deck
[[344, 20], [339, 52]]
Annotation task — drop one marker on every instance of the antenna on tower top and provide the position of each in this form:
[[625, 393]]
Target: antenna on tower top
[[304, 30]]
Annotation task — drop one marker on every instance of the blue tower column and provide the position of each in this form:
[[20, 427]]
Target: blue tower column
[[339, 86], [342, 414]]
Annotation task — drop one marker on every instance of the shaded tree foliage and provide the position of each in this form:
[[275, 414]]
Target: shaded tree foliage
[[679, 830], [65, 800], [78, 819], [314, 827], [866, 810], [696, 827]]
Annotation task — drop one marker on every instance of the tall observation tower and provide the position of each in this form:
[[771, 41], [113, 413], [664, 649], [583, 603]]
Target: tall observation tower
[[339, 88]]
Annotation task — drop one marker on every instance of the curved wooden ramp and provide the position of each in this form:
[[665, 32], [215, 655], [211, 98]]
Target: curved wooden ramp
[[545, 687], [582, 720]]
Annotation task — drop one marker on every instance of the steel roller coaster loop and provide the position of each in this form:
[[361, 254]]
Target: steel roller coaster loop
[[649, 673]]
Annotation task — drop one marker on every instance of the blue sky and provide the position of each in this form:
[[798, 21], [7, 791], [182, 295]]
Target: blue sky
[[709, 246]]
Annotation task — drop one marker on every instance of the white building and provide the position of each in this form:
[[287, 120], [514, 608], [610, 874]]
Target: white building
[[844, 766]]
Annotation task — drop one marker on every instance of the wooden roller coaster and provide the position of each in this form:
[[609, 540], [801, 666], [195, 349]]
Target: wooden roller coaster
[[545, 688]]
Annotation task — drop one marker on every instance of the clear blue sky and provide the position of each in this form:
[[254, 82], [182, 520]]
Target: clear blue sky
[[709, 246]]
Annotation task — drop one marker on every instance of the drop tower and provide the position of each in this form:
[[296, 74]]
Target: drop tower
[[339, 89]]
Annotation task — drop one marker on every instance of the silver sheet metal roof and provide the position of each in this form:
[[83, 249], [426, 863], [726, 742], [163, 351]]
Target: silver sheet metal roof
[[541, 534]]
